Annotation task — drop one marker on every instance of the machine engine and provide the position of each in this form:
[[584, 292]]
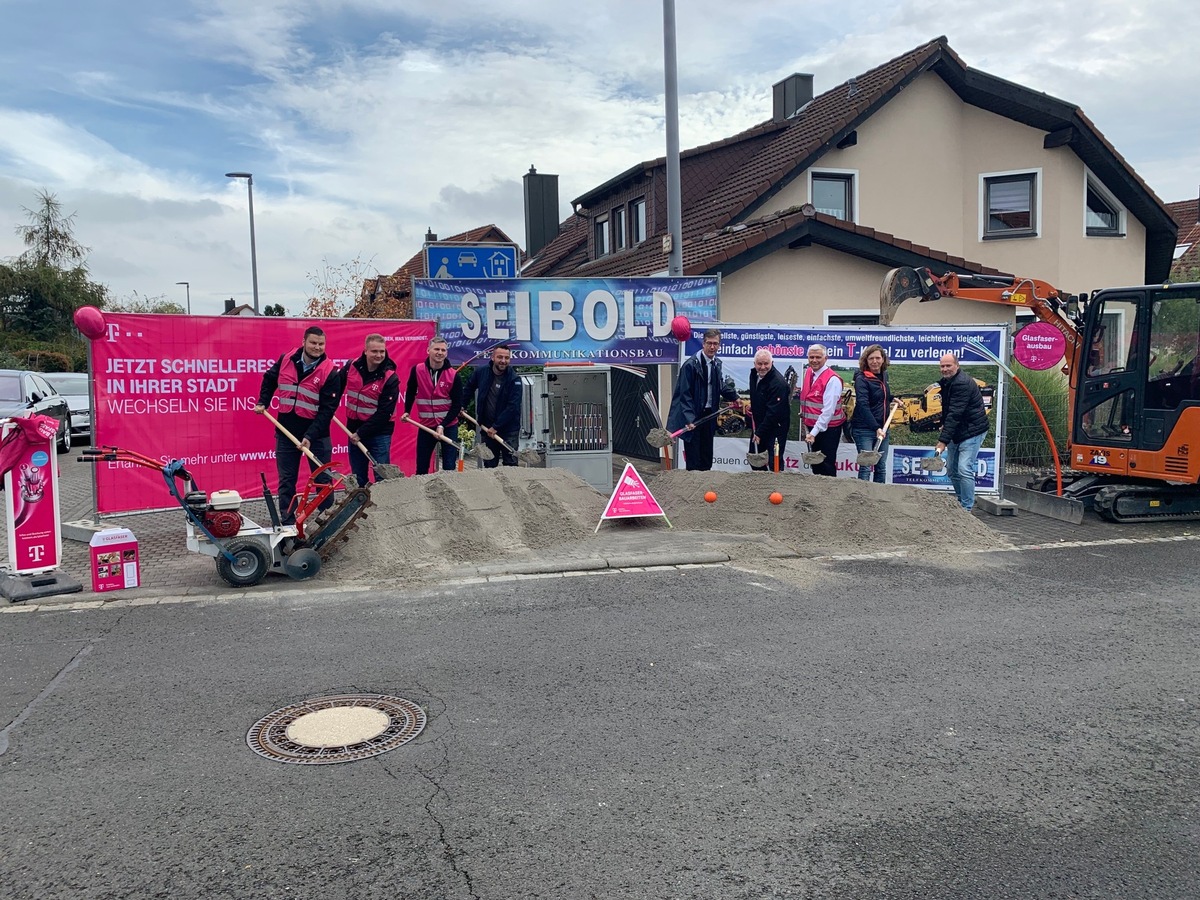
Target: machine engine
[[219, 512]]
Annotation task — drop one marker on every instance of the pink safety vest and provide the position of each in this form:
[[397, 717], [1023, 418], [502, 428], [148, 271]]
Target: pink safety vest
[[812, 399], [433, 400], [302, 395], [362, 400]]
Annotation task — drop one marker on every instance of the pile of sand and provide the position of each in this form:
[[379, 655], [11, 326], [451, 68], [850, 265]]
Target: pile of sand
[[821, 516], [429, 525]]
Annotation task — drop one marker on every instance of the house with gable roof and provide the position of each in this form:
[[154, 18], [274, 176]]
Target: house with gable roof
[[921, 161], [1187, 246]]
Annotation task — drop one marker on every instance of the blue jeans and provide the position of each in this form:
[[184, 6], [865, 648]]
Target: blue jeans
[[960, 465], [379, 446], [864, 439]]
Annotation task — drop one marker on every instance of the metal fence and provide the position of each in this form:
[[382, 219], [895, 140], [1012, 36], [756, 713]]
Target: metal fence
[[1027, 449]]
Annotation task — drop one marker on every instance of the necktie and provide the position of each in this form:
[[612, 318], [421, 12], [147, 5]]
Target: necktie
[[707, 381]]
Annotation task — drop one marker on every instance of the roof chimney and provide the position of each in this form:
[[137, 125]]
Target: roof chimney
[[541, 210], [430, 237], [791, 95], [229, 304]]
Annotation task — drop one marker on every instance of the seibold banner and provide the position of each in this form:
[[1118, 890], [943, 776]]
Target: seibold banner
[[545, 320], [184, 387]]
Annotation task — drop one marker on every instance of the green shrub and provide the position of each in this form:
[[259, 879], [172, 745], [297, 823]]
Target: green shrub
[[1027, 444]]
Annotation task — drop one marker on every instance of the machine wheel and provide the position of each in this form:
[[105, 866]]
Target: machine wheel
[[304, 563], [64, 438], [250, 564]]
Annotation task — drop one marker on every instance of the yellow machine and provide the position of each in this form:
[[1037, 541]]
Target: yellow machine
[[923, 412]]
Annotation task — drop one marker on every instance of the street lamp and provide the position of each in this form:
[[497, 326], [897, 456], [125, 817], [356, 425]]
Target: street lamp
[[253, 256], [189, 295]]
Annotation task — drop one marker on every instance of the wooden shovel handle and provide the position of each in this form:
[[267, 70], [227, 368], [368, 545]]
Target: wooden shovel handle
[[428, 430], [499, 440], [312, 457]]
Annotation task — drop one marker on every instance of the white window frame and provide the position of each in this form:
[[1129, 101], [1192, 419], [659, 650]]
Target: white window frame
[[1092, 182], [852, 175], [602, 225], [1037, 205], [828, 313], [637, 229]]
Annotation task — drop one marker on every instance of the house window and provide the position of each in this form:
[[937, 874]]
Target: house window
[[852, 317], [637, 222], [1010, 204], [833, 194], [603, 236], [617, 217], [1103, 214]]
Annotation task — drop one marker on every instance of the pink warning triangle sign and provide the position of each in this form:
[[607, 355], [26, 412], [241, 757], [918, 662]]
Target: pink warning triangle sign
[[631, 499]]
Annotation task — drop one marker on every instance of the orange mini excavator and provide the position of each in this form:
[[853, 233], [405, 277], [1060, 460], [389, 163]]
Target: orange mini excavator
[[1133, 384]]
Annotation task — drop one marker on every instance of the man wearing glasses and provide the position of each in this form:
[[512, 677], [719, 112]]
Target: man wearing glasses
[[698, 393]]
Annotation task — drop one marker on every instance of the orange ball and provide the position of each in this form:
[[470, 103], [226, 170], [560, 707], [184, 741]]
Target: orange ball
[[776, 498], [711, 497]]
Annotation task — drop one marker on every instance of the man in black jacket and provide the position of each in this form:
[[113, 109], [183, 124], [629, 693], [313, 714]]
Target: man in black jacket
[[698, 393], [964, 424], [770, 409], [497, 405]]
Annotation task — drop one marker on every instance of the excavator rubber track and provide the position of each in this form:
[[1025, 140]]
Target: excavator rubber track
[[335, 527], [1147, 503]]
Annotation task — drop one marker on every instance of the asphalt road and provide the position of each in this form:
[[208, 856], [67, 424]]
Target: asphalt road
[[1023, 726]]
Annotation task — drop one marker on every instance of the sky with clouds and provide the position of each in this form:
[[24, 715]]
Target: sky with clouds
[[365, 122]]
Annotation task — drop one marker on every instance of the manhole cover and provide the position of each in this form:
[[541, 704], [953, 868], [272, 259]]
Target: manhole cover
[[338, 729]]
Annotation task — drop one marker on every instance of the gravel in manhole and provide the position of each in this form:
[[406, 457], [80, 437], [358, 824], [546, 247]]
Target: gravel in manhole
[[342, 728]]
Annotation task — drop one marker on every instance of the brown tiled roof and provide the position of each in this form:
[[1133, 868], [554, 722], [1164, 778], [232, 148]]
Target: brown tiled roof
[[730, 180], [1187, 214], [387, 296]]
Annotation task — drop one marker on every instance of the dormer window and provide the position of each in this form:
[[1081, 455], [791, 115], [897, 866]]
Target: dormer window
[[1103, 215], [603, 236], [637, 221]]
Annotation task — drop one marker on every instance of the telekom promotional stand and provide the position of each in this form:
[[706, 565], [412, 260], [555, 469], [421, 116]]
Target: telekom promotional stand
[[184, 387]]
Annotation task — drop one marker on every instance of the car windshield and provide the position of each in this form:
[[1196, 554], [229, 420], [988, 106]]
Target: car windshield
[[10, 387], [69, 387]]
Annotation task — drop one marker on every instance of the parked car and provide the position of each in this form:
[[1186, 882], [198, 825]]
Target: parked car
[[22, 393], [74, 386]]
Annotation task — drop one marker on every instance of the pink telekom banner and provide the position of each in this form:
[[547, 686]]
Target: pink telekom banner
[[31, 494], [184, 387]]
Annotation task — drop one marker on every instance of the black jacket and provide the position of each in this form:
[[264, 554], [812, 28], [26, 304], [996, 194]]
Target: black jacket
[[872, 396], [688, 401], [507, 416], [770, 405], [381, 422], [963, 413]]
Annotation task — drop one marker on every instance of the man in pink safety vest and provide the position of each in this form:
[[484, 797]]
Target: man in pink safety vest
[[307, 387], [821, 408], [433, 397]]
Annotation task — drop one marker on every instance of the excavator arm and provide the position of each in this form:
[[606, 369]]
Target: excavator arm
[[1042, 299]]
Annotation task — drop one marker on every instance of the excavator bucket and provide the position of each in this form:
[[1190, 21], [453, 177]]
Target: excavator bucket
[[900, 285]]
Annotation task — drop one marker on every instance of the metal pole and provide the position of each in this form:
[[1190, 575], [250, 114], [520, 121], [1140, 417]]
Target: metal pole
[[188, 287], [674, 204], [253, 254]]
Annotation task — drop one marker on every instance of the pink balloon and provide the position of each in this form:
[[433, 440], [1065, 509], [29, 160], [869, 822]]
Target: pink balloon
[[90, 322], [681, 328]]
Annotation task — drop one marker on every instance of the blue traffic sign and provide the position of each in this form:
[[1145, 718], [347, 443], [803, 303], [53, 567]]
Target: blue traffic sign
[[471, 260]]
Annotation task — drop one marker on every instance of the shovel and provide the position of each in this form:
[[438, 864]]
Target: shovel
[[810, 457], [660, 437], [440, 437], [871, 457], [755, 459], [933, 464], [529, 457], [383, 471], [312, 457]]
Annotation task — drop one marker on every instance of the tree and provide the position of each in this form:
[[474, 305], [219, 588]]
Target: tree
[[336, 288], [50, 236], [41, 289], [135, 303], [274, 309]]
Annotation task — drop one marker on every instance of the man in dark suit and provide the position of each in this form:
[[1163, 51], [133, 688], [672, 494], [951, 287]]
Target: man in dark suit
[[698, 393], [770, 409]]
